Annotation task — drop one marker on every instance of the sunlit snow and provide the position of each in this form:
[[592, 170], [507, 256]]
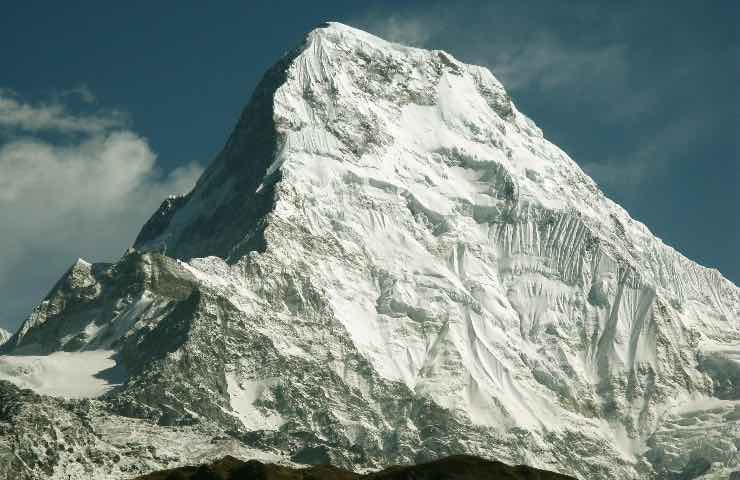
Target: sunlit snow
[[64, 374]]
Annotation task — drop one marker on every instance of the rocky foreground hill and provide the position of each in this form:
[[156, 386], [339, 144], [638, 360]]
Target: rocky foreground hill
[[451, 468]]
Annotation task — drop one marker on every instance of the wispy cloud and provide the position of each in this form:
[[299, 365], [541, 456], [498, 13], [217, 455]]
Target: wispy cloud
[[415, 31], [546, 63], [82, 92], [634, 168], [85, 196], [16, 114], [533, 58]]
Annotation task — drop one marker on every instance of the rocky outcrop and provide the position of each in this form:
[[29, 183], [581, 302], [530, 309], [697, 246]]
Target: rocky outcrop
[[43, 437]]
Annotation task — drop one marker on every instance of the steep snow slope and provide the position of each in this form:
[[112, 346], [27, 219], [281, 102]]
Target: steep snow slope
[[387, 263]]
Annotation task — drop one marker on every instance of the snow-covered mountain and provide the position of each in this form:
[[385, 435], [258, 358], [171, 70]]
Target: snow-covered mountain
[[387, 263], [4, 335]]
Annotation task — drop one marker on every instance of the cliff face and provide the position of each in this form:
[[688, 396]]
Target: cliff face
[[389, 263]]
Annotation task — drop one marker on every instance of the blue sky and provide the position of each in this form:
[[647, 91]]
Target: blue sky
[[106, 109]]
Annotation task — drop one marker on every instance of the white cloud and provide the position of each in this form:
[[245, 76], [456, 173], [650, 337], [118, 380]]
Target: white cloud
[[546, 63], [86, 197], [415, 31], [649, 157], [82, 92], [16, 114]]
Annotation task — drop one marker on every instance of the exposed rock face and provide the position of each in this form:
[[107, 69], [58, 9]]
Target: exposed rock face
[[388, 263], [450, 468], [43, 437]]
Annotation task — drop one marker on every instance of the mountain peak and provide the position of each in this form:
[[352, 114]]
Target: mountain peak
[[341, 29], [340, 94], [341, 32]]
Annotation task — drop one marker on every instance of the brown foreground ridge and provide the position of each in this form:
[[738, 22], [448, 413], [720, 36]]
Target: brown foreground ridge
[[458, 467]]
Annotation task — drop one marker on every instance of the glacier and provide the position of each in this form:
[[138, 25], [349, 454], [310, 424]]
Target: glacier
[[387, 263]]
